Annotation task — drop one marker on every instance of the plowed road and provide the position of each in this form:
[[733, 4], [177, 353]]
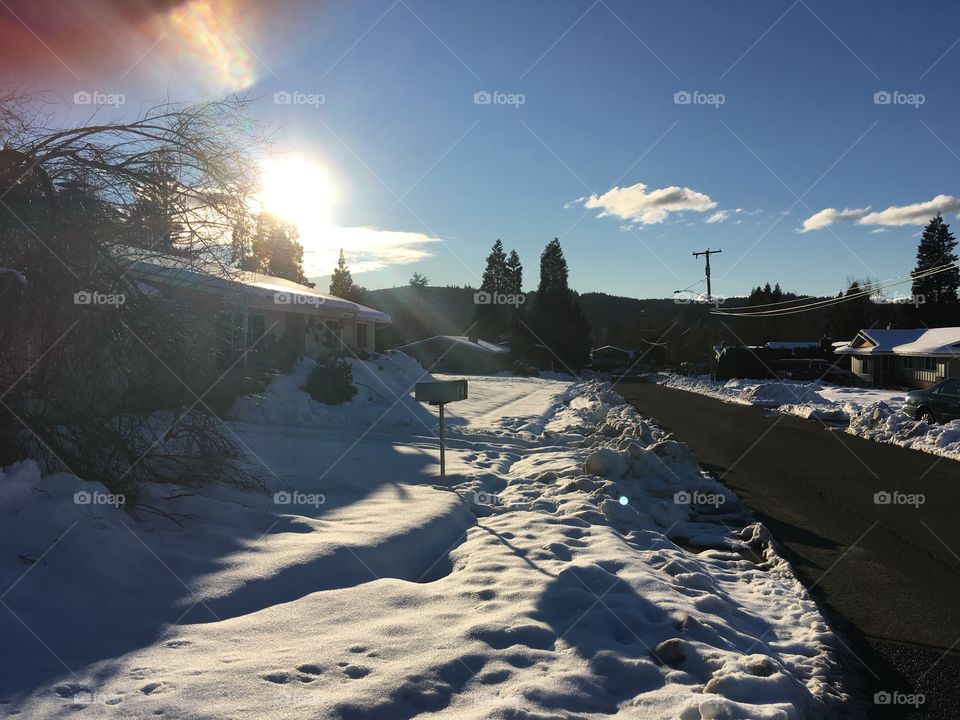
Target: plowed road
[[886, 575]]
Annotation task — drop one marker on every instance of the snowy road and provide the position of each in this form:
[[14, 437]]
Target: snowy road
[[889, 571]]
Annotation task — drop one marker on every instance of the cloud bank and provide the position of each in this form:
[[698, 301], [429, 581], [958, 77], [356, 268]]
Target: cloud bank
[[894, 216]]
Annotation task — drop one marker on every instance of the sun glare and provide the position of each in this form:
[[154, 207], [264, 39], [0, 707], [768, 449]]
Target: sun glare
[[300, 192]]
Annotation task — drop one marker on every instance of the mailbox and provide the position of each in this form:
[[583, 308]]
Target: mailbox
[[438, 392]]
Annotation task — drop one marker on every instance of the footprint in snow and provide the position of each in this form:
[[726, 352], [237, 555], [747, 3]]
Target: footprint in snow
[[177, 644], [280, 677], [310, 669], [151, 688], [356, 672]]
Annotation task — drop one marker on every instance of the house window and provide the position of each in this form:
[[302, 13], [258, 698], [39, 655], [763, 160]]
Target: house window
[[362, 336], [866, 365], [930, 364], [907, 363], [233, 342]]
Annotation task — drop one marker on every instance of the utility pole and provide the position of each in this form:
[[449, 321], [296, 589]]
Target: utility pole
[[708, 252]]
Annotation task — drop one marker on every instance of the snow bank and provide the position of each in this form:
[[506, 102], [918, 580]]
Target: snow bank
[[817, 400], [384, 397], [586, 569], [882, 423], [869, 413]]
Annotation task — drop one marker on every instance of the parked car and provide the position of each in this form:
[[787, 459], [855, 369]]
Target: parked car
[[940, 403]]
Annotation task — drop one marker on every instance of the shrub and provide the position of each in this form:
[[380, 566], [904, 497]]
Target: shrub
[[331, 381]]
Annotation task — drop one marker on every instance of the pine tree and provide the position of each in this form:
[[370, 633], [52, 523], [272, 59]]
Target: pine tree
[[939, 292], [275, 249], [514, 274], [342, 284], [490, 316], [419, 281], [557, 318]]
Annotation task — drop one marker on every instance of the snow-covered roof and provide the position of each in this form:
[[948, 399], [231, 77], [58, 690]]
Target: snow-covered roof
[[938, 341], [912, 341], [477, 345], [792, 344], [241, 285]]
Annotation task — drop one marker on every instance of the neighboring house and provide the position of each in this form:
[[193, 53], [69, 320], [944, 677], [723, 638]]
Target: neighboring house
[[252, 313], [915, 357], [458, 354], [610, 357]]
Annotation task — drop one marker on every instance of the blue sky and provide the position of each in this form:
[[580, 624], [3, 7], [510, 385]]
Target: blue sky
[[783, 124]]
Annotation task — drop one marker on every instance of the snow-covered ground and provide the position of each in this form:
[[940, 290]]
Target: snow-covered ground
[[870, 413], [578, 565]]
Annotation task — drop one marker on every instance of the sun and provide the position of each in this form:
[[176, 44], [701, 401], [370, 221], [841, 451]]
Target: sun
[[300, 192]]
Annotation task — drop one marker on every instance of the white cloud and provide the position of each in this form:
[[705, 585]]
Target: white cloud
[[829, 216], [718, 217], [916, 214], [634, 203], [366, 249], [894, 216]]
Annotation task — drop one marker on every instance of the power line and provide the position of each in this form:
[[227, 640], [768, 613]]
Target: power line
[[762, 311]]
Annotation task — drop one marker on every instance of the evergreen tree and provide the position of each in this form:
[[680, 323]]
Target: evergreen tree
[[514, 274], [939, 291], [342, 284], [419, 281], [557, 318], [490, 316], [275, 249]]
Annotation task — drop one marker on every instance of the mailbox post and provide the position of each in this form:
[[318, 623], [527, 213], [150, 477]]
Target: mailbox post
[[440, 392]]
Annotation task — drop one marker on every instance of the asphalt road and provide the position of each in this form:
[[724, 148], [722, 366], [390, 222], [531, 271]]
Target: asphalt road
[[886, 575]]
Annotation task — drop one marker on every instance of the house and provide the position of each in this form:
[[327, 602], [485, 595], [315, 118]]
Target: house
[[251, 314], [458, 354], [610, 357], [918, 357]]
